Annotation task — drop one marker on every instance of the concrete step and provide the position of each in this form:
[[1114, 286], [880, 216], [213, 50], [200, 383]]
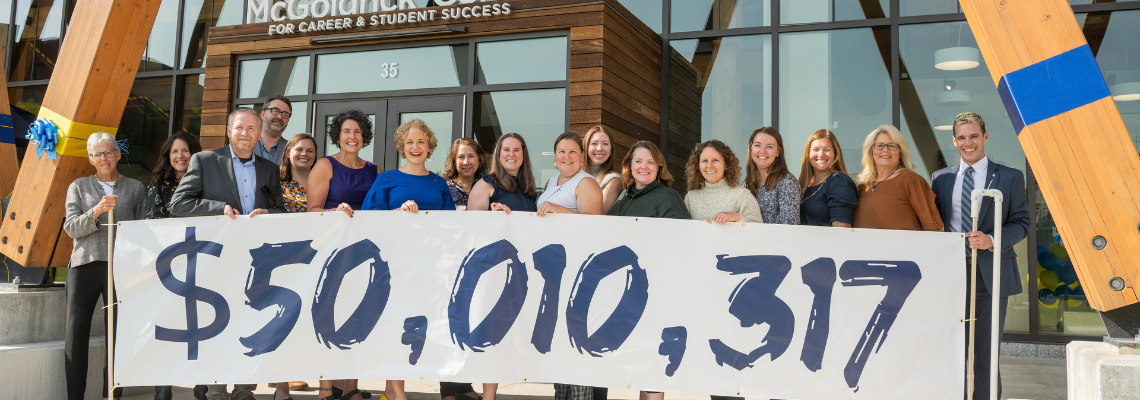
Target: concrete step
[[35, 371], [35, 317]]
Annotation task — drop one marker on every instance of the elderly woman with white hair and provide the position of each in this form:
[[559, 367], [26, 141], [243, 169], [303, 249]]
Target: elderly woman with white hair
[[88, 200], [891, 194]]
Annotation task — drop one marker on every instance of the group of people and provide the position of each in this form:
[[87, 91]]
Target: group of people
[[259, 172]]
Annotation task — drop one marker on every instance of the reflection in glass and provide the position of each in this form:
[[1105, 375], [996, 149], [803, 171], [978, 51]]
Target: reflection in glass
[[909, 8], [701, 15], [1063, 308], [836, 80], [297, 122], [931, 97], [537, 115], [37, 37], [145, 125], [5, 27], [415, 68], [1115, 41], [196, 19], [719, 88], [440, 123], [1017, 310], [228, 12], [287, 76], [159, 52], [517, 61], [367, 153], [813, 11], [189, 118], [648, 11], [1096, 1]]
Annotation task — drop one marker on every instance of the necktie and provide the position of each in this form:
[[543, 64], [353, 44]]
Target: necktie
[[967, 190]]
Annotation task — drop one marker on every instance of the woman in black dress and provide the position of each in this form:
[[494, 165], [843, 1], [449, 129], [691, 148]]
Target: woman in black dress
[[830, 195]]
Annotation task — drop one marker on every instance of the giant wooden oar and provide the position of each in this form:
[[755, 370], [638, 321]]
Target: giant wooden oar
[[88, 90], [1073, 135], [8, 165]]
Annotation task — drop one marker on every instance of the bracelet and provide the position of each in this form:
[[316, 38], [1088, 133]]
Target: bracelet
[[89, 217]]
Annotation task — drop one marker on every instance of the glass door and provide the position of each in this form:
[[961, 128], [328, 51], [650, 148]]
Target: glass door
[[443, 114]]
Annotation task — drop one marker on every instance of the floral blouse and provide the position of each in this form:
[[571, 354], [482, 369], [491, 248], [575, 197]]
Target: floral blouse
[[781, 205], [293, 195], [458, 195], [156, 203]]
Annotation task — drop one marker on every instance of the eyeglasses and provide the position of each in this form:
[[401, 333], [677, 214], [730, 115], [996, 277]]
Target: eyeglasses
[[888, 146], [277, 111], [105, 154]]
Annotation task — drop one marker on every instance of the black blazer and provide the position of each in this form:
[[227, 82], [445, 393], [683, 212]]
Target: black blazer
[[209, 185], [1015, 220]]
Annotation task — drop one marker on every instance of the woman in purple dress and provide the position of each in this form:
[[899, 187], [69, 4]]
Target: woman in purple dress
[[340, 182]]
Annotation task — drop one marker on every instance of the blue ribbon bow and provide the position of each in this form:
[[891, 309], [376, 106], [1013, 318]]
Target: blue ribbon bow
[[46, 135]]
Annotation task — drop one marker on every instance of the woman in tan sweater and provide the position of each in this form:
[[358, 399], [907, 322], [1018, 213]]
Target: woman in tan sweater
[[715, 195], [891, 194]]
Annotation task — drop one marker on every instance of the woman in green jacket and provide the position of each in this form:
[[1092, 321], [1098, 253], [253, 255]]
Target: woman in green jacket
[[647, 192]]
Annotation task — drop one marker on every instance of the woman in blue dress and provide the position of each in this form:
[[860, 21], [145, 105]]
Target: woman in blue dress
[[411, 187]]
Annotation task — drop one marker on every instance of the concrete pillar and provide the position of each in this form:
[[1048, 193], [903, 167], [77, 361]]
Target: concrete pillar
[[1102, 371]]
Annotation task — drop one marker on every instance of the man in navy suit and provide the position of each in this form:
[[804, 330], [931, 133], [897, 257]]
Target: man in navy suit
[[952, 188]]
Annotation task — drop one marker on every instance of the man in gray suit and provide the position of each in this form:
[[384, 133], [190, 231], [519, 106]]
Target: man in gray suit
[[230, 181], [952, 188]]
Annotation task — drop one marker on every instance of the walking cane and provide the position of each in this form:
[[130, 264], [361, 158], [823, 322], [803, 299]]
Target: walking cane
[[110, 304], [995, 338]]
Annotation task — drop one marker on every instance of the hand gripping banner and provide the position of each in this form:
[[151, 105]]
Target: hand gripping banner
[[677, 306]]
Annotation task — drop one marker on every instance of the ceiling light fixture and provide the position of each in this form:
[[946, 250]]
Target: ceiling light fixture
[[1126, 91], [950, 97], [957, 58]]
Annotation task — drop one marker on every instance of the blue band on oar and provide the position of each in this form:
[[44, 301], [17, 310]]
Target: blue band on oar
[[7, 134], [1052, 87]]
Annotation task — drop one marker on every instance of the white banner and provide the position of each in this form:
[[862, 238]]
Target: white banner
[[676, 306]]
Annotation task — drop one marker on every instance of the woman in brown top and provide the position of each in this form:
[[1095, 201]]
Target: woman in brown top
[[891, 194]]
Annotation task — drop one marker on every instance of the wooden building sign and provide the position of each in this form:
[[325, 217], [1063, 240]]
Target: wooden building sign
[[614, 59]]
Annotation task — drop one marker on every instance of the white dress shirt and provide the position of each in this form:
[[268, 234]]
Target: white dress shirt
[[245, 175], [980, 170]]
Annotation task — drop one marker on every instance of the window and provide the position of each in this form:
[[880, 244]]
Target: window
[[815, 11], [538, 115], [287, 76], [837, 80], [516, 61], [719, 88], [393, 69], [699, 15]]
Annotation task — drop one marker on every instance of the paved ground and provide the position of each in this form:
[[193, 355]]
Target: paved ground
[[1023, 378]]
